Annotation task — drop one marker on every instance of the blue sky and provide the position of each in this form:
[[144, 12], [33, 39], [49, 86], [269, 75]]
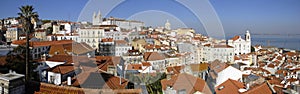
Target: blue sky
[[260, 16]]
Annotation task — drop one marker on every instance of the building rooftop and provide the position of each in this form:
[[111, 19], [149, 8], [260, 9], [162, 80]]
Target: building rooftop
[[11, 76]]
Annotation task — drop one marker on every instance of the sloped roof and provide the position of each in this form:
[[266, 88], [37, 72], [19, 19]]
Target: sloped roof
[[229, 87], [222, 46], [105, 61], [81, 48], [121, 42], [68, 59], [57, 49], [188, 82], [218, 66], [62, 69], [107, 40], [146, 64], [235, 38], [42, 43], [96, 80], [174, 69], [45, 88], [134, 67], [260, 89], [152, 56]]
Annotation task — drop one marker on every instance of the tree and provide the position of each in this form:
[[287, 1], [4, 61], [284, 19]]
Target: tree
[[26, 15], [252, 49], [16, 60]]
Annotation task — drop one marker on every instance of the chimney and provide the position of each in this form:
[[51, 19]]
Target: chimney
[[69, 81], [247, 86]]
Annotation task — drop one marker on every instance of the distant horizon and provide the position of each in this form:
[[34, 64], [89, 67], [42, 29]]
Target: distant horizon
[[259, 16]]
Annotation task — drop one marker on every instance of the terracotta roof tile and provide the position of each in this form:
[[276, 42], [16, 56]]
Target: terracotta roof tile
[[188, 82], [152, 56], [222, 46], [68, 59], [271, 65], [121, 42], [134, 67], [104, 61], [42, 43], [217, 66], [96, 80], [45, 88], [229, 87], [146, 64], [107, 40], [260, 89], [235, 38], [174, 69], [57, 49], [63, 69]]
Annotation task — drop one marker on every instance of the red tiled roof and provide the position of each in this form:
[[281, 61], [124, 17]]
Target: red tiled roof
[[134, 67], [68, 59], [218, 66], [261, 89], [107, 40], [81, 48], [150, 46], [290, 54], [236, 58], [174, 69], [229, 87], [235, 38], [271, 65], [45, 88], [222, 46], [42, 43], [96, 80], [121, 42], [146, 64], [57, 49], [76, 48], [188, 82], [62, 69], [152, 56], [104, 61]]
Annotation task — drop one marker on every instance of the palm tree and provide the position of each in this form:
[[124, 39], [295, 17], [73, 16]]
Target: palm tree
[[26, 15]]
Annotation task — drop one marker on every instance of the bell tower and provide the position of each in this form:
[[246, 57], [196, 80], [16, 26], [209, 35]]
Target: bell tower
[[168, 25], [247, 36], [97, 19]]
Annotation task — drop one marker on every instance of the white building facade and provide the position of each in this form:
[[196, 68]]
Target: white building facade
[[223, 53], [241, 46], [91, 36]]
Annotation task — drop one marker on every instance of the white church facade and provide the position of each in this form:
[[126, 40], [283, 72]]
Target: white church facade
[[122, 23], [241, 45]]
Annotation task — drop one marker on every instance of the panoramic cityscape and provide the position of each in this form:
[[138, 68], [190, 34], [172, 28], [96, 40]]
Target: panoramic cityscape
[[150, 47]]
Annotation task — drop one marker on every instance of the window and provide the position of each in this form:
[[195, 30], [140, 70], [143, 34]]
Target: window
[[52, 78]]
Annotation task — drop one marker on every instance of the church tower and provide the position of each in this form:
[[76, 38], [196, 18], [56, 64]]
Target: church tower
[[168, 25], [97, 19], [247, 36]]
